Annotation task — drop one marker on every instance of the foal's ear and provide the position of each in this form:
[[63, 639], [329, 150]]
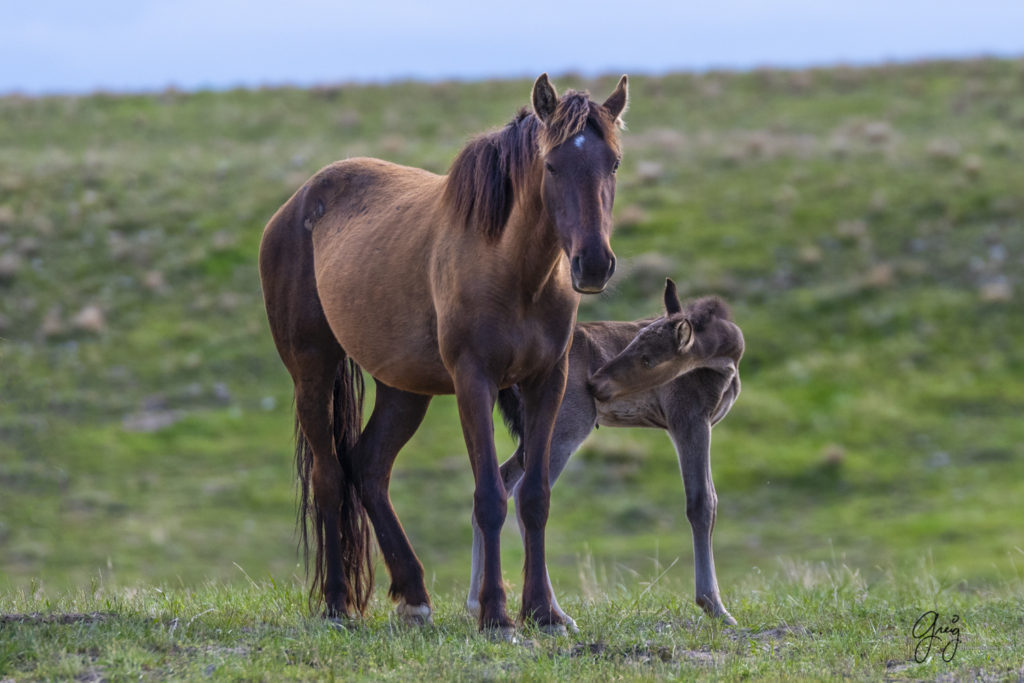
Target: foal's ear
[[617, 101], [684, 335], [544, 98], [672, 304]]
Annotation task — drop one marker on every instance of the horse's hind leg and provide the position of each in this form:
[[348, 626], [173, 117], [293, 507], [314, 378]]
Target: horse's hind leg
[[314, 386], [396, 416]]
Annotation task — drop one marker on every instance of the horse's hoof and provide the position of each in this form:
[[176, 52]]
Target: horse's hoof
[[501, 634], [473, 607], [414, 615], [555, 630], [728, 619], [570, 624], [339, 623]]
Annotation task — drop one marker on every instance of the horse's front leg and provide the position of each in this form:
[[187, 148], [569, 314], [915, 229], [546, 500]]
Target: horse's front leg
[[475, 394], [692, 438], [512, 476], [542, 397]]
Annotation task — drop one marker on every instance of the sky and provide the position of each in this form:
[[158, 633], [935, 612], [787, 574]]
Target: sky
[[72, 47]]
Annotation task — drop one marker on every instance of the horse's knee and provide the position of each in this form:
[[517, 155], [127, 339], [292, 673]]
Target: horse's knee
[[490, 508], [534, 501]]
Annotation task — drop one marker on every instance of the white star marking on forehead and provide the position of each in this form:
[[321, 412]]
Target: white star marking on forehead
[[579, 141]]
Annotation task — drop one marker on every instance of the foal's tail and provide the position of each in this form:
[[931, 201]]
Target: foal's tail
[[354, 529]]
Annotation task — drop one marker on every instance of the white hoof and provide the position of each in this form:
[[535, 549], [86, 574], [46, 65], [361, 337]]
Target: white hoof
[[414, 615], [473, 607]]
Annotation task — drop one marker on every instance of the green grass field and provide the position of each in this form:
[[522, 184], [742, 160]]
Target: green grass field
[[865, 225]]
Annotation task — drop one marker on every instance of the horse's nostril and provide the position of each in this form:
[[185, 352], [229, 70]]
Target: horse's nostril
[[577, 263], [611, 267]]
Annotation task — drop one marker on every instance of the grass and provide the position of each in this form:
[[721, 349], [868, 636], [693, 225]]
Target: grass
[[865, 225], [803, 621]]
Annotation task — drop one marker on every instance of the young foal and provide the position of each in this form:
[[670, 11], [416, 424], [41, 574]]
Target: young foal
[[679, 373], [466, 284]]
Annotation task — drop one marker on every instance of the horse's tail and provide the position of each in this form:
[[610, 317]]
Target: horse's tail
[[354, 529]]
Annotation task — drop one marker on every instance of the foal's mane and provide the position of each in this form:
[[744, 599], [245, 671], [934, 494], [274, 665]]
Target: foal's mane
[[704, 310], [494, 168]]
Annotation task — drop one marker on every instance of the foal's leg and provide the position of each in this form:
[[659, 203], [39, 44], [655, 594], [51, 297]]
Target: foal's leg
[[396, 416], [692, 439], [475, 395], [542, 398]]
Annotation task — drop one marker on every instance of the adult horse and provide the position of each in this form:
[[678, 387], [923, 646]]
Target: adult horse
[[466, 284]]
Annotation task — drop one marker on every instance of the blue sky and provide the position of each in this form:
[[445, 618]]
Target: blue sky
[[76, 47]]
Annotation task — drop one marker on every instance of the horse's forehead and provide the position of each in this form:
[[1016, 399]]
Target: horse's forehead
[[585, 142]]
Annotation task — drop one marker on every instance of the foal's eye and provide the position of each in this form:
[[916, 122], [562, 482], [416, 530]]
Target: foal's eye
[[645, 361], [549, 167], [615, 166]]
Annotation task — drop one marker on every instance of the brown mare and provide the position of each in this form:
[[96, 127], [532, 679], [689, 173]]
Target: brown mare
[[466, 284], [679, 373]]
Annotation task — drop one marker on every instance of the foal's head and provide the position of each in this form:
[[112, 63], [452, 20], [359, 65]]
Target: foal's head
[[580, 150], [700, 335]]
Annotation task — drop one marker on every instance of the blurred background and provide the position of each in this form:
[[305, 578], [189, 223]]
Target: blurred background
[[847, 176]]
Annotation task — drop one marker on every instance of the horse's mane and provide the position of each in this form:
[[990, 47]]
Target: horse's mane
[[494, 168], [704, 310]]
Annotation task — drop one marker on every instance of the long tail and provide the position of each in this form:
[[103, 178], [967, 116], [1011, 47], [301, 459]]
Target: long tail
[[354, 528]]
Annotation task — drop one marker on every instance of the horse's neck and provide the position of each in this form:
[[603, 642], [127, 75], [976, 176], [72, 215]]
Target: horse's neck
[[532, 241]]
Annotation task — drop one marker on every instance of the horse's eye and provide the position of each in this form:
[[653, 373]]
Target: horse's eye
[[615, 167], [645, 361], [549, 167]]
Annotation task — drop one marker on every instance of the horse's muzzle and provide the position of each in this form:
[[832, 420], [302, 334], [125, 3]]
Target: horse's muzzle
[[591, 275]]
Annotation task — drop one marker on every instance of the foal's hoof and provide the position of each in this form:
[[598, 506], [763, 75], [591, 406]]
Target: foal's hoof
[[570, 623], [414, 615], [727, 619]]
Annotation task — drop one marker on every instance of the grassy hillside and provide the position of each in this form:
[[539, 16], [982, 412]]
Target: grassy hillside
[[866, 225]]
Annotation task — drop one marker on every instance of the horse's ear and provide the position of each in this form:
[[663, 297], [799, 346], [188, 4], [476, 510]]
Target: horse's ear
[[684, 335], [672, 304], [617, 101], [544, 98]]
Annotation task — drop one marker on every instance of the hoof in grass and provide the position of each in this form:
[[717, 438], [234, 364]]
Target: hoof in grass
[[339, 623], [501, 634], [414, 615], [556, 630]]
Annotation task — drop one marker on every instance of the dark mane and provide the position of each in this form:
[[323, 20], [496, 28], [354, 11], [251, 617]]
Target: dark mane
[[494, 168], [704, 310], [484, 177]]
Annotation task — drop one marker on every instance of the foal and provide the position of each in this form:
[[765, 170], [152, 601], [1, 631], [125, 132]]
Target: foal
[[679, 373]]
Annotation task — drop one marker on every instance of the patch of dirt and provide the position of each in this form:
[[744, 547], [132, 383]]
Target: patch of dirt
[[770, 634], [63, 619], [646, 652]]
